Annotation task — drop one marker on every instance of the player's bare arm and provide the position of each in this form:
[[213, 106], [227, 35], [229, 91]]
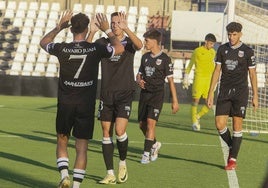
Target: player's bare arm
[[213, 84], [103, 24], [175, 103], [93, 29], [123, 24], [63, 23], [253, 81]]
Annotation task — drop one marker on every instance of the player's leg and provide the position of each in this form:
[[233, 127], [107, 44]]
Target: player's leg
[[149, 140], [122, 145], [64, 122], [195, 118], [107, 152], [81, 146]]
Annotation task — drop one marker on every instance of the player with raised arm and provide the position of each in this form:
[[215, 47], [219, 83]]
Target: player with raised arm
[[155, 67], [203, 60], [79, 62], [234, 62], [117, 89]]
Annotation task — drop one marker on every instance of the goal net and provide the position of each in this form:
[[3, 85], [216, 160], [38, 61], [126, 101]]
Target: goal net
[[255, 34]]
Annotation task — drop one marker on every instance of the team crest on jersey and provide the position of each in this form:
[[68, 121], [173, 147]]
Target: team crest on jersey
[[240, 53], [156, 112], [158, 61], [226, 51]]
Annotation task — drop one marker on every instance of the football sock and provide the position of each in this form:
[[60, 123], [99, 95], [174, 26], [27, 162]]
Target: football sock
[[148, 145], [107, 152], [203, 111], [237, 139], [194, 112], [226, 136], [122, 145], [78, 177], [63, 166]]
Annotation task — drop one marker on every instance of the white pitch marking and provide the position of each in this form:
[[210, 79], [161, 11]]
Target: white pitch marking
[[231, 174]]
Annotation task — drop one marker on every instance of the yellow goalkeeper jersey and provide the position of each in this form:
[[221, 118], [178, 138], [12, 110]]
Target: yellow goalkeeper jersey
[[203, 59]]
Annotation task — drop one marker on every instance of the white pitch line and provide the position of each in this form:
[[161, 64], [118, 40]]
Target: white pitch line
[[231, 174]]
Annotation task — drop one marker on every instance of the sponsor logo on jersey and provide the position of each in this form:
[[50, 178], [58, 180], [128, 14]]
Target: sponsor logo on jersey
[[231, 64], [78, 84], [241, 53], [158, 61], [149, 71]]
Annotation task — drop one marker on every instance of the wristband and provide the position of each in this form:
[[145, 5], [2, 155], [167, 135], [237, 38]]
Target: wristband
[[108, 31]]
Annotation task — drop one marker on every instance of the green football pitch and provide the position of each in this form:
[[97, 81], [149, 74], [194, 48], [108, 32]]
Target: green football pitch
[[187, 159]]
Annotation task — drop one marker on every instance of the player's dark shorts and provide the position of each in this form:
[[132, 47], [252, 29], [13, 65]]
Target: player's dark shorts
[[232, 102], [150, 105], [115, 104], [78, 118]]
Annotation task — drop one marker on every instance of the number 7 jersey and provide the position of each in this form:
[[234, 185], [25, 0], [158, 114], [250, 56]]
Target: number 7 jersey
[[79, 64]]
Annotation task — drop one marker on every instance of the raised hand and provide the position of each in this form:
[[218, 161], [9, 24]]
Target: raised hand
[[93, 26], [122, 20], [64, 20], [102, 22]]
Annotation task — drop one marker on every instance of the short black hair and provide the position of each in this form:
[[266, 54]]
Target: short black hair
[[210, 37], [153, 34], [79, 23], [234, 27]]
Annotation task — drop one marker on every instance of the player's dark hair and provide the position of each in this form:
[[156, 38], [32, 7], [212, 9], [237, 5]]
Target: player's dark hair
[[153, 34], [114, 14], [234, 27], [210, 37], [79, 23]]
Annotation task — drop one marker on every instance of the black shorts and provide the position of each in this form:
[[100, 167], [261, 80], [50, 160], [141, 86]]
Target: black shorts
[[232, 102], [150, 105], [78, 118], [114, 104]]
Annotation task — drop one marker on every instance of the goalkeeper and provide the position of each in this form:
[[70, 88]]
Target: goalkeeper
[[203, 60]]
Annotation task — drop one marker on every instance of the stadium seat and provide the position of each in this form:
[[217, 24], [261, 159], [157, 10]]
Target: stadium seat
[[51, 70], [42, 58], [143, 19], [110, 9], [42, 14], [144, 11], [11, 5], [30, 57], [20, 14], [19, 57], [33, 49], [15, 68], [39, 69], [89, 9], [18, 22], [31, 14], [99, 9], [44, 6], [33, 6], [35, 39], [41, 23], [55, 6], [2, 5], [141, 28], [9, 13], [23, 5], [133, 10], [26, 31], [24, 39], [22, 48], [77, 7], [51, 23], [53, 15], [122, 9], [29, 22], [38, 31], [131, 19], [178, 64], [27, 69]]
